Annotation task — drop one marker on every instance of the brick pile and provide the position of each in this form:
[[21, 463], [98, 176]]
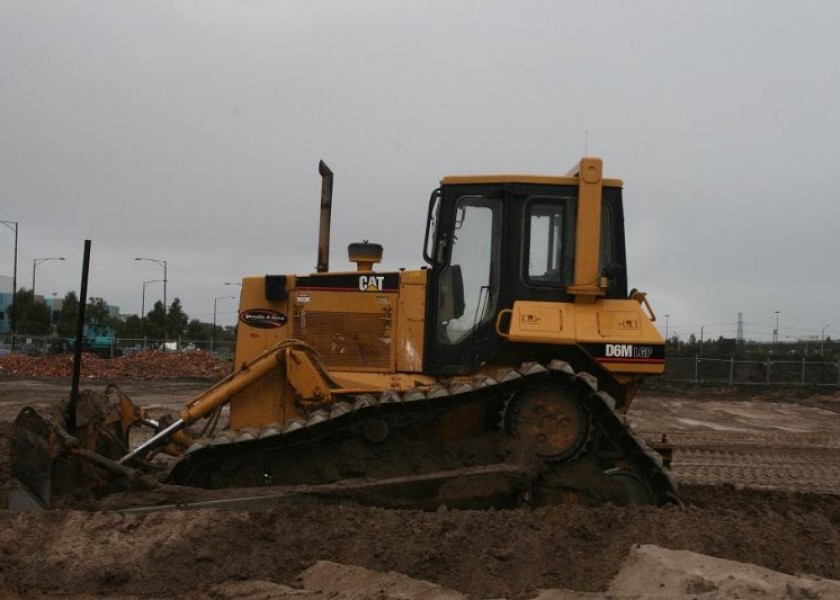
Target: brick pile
[[148, 364]]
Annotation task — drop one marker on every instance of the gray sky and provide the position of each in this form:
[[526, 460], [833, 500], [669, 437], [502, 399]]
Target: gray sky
[[190, 131]]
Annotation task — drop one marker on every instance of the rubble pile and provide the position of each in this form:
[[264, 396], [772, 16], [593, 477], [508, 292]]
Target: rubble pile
[[148, 364]]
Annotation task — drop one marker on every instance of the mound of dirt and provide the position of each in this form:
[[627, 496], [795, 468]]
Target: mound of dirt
[[148, 364], [496, 553], [509, 554], [679, 574]]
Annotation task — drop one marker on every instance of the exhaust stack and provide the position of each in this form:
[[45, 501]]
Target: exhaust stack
[[326, 211]]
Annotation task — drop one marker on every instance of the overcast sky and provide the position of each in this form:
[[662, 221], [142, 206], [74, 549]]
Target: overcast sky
[[191, 131]]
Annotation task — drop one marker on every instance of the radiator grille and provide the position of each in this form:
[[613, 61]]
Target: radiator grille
[[348, 340]]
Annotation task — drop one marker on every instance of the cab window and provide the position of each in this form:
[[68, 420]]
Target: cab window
[[549, 246]]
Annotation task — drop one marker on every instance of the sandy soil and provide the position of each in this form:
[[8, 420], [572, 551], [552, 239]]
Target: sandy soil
[[761, 486]]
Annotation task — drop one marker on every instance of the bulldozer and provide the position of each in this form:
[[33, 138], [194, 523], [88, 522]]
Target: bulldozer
[[498, 374]]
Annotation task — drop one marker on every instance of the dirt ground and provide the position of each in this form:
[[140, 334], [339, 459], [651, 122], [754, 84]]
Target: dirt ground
[[760, 480]]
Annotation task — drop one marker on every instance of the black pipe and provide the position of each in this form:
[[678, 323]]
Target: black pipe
[[80, 334], [326, 211]]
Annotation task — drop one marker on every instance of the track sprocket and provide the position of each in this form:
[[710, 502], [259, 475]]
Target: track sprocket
[[550, 420]]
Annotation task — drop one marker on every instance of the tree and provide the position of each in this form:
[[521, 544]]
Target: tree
[[130, 328], [198, 331], [31, 317], [155, 321], [97, 312], [229, 333], [176, 319], [69, 315]]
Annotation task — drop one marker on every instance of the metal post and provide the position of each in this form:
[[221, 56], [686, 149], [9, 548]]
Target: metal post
[[165, 306], [80, 332], [767, 375], [14, 292], [696, 368], [143, 316], [731, 370]]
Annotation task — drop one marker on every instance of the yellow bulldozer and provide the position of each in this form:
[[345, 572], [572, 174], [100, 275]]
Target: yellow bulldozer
[[499, 374]]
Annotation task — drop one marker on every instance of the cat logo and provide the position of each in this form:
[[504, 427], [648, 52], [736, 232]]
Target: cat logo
[[371, 283]]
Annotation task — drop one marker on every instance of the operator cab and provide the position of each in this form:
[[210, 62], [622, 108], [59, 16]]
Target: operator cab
[[491, 240]]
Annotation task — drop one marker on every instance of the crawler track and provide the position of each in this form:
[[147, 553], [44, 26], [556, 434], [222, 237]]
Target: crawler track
[[320, 449]]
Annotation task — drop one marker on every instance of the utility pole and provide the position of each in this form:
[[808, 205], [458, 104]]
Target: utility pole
[[35, 264], [667, 318], [161, 263], [12, 319], [776, 331], [740, 328]]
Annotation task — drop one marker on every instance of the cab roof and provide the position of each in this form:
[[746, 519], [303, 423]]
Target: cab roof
[[519, 178]]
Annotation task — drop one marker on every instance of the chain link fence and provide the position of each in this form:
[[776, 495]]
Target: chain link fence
[[767, 372], [813, 371], [41, 345]]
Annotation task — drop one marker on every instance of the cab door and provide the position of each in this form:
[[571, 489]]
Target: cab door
[[465, 250]]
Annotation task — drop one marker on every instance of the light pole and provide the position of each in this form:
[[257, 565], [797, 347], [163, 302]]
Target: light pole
[[776, 331], [14, 281], [213, 335], [822, 340], [163, 264], [35, 264], [143, 310]]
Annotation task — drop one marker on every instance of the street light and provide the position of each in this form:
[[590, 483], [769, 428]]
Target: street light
[[161, 263], [213, 336], [35, 264], [822, 340], [143, 309], [14, 281]]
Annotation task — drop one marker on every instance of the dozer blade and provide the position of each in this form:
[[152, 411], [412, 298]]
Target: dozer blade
[[36, 442], [48, 458]]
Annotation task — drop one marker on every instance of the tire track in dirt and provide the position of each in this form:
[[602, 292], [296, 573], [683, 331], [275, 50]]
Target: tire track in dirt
[[767, 468]]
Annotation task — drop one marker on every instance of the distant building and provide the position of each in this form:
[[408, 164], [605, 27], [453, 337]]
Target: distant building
[[54, 304]]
